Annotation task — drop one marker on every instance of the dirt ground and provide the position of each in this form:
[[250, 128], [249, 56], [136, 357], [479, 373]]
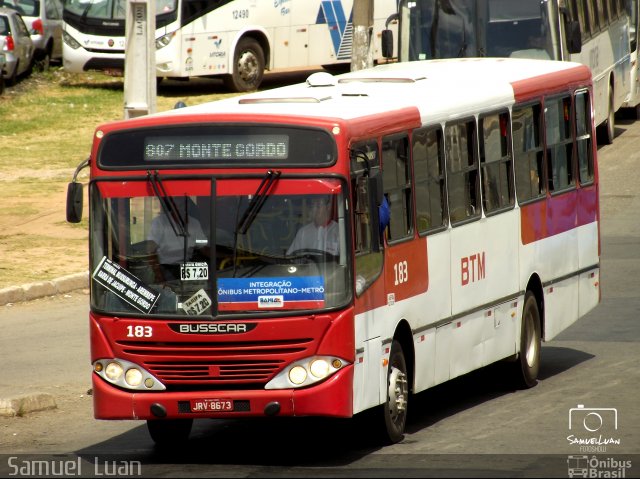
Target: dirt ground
[[36, 242]]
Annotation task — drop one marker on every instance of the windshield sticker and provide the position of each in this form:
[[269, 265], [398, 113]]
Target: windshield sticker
[[270, 293], [196, 271], [125, 285], [197, 304]]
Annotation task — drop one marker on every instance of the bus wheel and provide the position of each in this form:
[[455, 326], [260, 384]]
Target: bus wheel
[[166, 432], [530, 343], [248, 67], [608, 128], [395, 407]]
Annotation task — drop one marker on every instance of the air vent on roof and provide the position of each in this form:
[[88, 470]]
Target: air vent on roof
[[380, 80], [302, 99], [319, 79]]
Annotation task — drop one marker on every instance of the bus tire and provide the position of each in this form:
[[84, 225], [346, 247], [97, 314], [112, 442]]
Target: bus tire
[[166, 432], [397, 396], [248, 66], [608, 128], [528, 364]]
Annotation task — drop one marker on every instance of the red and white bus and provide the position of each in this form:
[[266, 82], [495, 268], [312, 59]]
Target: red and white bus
[[489, 170]]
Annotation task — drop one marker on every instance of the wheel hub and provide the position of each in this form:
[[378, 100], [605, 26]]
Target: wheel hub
[[248, 66], [398, 393]]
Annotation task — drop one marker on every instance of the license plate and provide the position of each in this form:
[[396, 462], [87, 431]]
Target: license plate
[[211, 405]]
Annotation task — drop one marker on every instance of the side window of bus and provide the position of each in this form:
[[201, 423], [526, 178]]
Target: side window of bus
[[365, 160], [462, 170], [527, 153], [396, 179], [495, 162], [428, 166], [557, 117], [594, 25], [583, 137]]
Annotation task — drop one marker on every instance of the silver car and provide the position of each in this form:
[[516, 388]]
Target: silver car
[[16, 44], [44, 21]]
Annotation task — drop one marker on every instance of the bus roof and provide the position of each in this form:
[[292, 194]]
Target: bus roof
[[437, 89]]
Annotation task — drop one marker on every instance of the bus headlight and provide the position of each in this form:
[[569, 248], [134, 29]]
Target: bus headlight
[[133, 377], [113, 371], [70, 41], [127, 375], [306, 371]]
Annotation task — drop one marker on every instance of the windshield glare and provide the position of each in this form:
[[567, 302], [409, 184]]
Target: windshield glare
[[111, 9], [471, 28], [160, 254]]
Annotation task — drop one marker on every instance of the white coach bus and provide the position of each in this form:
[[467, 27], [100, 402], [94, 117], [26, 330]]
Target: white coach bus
[[235, 39]]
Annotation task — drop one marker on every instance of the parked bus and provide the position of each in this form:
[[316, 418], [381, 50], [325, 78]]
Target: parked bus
[[243, 264], [633, 102], [592, 32], [235, 39]]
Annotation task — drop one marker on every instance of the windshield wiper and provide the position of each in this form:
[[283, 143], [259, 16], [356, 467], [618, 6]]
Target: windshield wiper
[[259, 197], [177, 222], [85, 12]]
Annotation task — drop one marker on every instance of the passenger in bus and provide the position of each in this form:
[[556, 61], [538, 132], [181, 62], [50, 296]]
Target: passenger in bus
[[321, 234], [169, 246]]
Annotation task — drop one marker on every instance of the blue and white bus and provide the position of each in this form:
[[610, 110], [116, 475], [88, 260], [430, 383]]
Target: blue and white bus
[[235, 39]]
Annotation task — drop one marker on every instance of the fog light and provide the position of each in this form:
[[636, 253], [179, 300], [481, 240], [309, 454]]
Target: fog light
[[148, 383], [319, 368], [133, 377], [113, 371], [297, 375]]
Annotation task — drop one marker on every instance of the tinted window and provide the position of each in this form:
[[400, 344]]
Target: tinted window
[[462, 171], [527, 153], [428, 166], [495, 161], [396, 176]]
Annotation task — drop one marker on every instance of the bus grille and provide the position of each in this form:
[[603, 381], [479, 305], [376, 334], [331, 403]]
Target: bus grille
[[215, 364]]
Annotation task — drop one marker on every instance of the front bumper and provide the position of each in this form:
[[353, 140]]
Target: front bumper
[[332, 398]]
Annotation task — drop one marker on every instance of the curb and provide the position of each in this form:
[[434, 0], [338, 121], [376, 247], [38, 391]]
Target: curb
[[28, 292], [28, 403], [21, 405]]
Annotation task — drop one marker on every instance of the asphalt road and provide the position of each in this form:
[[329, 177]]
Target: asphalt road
[[470, 427]]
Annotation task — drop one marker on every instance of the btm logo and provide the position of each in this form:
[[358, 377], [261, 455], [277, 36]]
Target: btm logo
[[593, 429]]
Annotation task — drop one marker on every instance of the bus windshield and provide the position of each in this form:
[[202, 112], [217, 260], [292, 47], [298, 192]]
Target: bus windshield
[[111, 9], [472, 28], [160, 246]]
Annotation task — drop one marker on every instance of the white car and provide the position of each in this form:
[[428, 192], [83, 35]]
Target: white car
[[17, 45], [43, 18]]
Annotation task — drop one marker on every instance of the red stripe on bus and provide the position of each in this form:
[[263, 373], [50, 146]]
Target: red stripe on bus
[[538, 86], [558, 214]]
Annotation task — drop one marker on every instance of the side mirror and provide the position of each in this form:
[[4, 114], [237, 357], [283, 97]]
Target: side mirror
[[387, 43], [74, 202], [574, 34]]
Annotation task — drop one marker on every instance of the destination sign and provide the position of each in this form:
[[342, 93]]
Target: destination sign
[[216, 147]]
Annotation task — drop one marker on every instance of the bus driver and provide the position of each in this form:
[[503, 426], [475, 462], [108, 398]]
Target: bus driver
[[321, 233]]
